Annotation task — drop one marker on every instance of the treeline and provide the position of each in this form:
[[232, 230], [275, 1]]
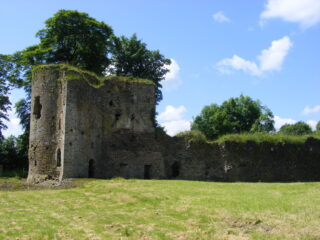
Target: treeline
[[243, 116]]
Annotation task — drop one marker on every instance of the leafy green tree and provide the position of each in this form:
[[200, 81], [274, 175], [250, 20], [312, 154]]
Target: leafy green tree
[[75, 38], [318, 127], [5, 68], [299, 128], [236, 115], [131, 57]]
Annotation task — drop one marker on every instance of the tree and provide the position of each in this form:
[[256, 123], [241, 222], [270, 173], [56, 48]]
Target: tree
[[299, 128], [236, 115], [5, 68], [318, 127], [77, 39], [130, 57]]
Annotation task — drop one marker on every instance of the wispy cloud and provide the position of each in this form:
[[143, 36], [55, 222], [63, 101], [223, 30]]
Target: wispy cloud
[[311, 110], [220, 17], [304, 12], [270, 59]]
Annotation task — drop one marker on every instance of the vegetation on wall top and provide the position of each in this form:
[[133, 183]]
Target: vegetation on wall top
[[257, 138], [94, 80]]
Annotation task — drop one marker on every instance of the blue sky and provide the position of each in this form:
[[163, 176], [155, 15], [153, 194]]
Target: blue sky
[[266, 49]]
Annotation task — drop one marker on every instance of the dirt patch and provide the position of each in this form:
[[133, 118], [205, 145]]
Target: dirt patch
[[20, 185]]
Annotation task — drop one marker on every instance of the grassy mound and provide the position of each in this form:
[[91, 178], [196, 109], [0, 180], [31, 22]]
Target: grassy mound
[[161, 209]]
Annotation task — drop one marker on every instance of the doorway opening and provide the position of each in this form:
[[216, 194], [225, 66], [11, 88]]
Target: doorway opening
[[175, 169], [147, 171], [91, 168]]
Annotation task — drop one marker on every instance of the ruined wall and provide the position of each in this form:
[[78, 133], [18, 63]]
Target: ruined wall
[[248, 161], [83, 128], [98, 119]]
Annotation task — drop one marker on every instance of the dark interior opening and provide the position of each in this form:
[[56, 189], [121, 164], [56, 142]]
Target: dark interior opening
[[175, 169], [117, 116], [124, 170], [58, 157], [37, 107], [91, 168], [147, 171]]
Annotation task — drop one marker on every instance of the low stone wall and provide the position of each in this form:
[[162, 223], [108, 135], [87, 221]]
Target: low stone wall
[[248, 161]]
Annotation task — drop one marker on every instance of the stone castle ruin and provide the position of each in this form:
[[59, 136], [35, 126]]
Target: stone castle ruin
[[83, 126]]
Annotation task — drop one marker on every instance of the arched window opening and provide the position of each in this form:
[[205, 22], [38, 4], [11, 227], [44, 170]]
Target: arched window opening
[[37, 107]]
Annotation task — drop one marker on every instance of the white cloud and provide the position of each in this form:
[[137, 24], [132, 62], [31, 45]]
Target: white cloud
[[174, 127], [238, 63], [13, 125], [270, 59], [279, 122], [172, 120], [310, 110], [172, 79], [304, 12], [172, 113], [312, 123], [220, 17]]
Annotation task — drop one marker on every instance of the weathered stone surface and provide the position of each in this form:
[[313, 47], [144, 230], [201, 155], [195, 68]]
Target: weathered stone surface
[[82, 131], [78, 130]]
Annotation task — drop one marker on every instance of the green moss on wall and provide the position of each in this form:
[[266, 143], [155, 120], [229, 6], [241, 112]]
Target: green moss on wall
[[72, 73]]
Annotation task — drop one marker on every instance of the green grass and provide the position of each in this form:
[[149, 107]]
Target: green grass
[[162, 209]]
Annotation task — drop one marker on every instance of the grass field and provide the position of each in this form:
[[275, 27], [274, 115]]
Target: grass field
[[160, 209]]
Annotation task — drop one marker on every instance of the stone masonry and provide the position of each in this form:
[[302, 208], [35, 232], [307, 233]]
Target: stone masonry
[[81, 129]]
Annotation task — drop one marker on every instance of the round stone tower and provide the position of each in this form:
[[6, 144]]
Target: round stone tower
[[46, 126]]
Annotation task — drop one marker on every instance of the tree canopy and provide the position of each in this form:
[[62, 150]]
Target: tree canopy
[[5, 68], [75, 38], [130, 57], [236, 115], [299, 128]]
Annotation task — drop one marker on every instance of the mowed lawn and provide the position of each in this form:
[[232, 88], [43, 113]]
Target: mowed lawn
[[161, 209]]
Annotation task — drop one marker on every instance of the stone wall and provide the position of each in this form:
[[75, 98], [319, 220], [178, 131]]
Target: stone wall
[[248, 161], [84, 129]]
